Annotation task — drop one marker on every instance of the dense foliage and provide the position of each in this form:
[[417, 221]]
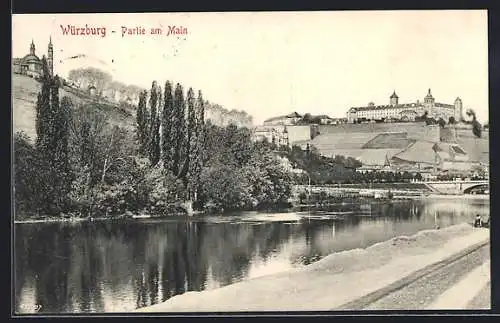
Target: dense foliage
[[82, 164]]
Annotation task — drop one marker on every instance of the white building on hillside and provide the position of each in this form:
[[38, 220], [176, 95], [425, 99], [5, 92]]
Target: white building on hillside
[[406, 111]]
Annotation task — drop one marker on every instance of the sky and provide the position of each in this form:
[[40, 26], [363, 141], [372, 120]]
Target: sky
[[273, 63]]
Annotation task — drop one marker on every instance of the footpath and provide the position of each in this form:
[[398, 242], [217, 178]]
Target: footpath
[[344, 278]]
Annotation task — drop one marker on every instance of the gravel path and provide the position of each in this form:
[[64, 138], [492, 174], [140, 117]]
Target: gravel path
[[421, 293]]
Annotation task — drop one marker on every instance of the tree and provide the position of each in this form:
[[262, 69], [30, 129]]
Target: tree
[[154, 129], [225, 188], [87, 129], [422, 117], [201, 131], [179, 134], [142, 123], [90, 76], [31, 175], [191, 141], [61, 155], [307, 118], [198, 147], [52, 126], [476, 126], [45, 112], [167, 126], [441, 122], [270, 182]]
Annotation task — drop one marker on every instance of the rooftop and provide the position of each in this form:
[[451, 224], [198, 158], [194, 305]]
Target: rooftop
[[399, 106], [291, 115], [31, 58]]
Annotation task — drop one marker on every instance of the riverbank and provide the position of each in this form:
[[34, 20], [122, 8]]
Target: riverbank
[[77, 219], [458, 196], [51, 220], [336, 279]]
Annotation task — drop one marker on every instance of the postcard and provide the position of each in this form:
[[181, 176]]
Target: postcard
[[250, 162]]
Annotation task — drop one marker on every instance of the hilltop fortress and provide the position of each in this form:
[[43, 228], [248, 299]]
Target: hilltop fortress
[[391, 137], [407, 111]]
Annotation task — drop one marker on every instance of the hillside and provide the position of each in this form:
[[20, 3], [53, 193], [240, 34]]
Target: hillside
[[373, 144], [477, 148], [24, 95]]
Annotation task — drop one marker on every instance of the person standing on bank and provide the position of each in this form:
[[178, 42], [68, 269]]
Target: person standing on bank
[[478, 221]]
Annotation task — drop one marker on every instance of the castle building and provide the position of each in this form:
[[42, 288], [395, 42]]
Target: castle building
[[406, 111], [31, 64]]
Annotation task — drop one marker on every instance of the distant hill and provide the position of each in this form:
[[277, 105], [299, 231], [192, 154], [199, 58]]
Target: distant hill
[[115, 91], [222, 117], [25, 91]]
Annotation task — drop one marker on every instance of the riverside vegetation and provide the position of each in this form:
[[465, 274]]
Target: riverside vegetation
[[80, 165]]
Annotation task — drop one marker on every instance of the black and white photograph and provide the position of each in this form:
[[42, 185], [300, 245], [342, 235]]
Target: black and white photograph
[[236, 162]]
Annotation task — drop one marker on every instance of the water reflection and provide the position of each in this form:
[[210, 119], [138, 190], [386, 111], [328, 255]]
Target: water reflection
[[121, 266]]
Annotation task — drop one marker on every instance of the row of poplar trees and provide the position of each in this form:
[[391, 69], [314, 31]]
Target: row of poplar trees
[[171, 132], [52, 145]]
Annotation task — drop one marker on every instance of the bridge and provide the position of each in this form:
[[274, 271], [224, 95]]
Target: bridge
[[456, 187]]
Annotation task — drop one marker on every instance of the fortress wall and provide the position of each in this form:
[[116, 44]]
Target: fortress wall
[[371, 127], [415, 130], [425, 133]]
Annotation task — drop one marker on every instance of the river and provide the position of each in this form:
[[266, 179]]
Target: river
[[118, 266]]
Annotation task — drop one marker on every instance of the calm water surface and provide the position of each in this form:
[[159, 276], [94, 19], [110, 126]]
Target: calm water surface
[[124, 265]]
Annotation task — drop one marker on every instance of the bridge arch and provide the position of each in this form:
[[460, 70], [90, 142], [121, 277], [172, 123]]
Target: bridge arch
[[469, 189], [455, 187]]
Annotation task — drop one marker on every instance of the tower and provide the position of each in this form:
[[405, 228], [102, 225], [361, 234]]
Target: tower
[[458, 110], [429, 99], [32, 48], [394, 99], [50, 59], [429, 104]]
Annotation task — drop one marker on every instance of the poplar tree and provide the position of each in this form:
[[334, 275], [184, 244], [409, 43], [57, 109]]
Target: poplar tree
[[52, 127], [154, 129], [142, 123], [167, 127], [44, 112], [191, 139], [178, 135], [198, 145], [61, 155]]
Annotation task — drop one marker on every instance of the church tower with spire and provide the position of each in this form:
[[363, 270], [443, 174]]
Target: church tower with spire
[[50, 59], [429, 103], [429, 99], [32, 48], [394, 99]]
